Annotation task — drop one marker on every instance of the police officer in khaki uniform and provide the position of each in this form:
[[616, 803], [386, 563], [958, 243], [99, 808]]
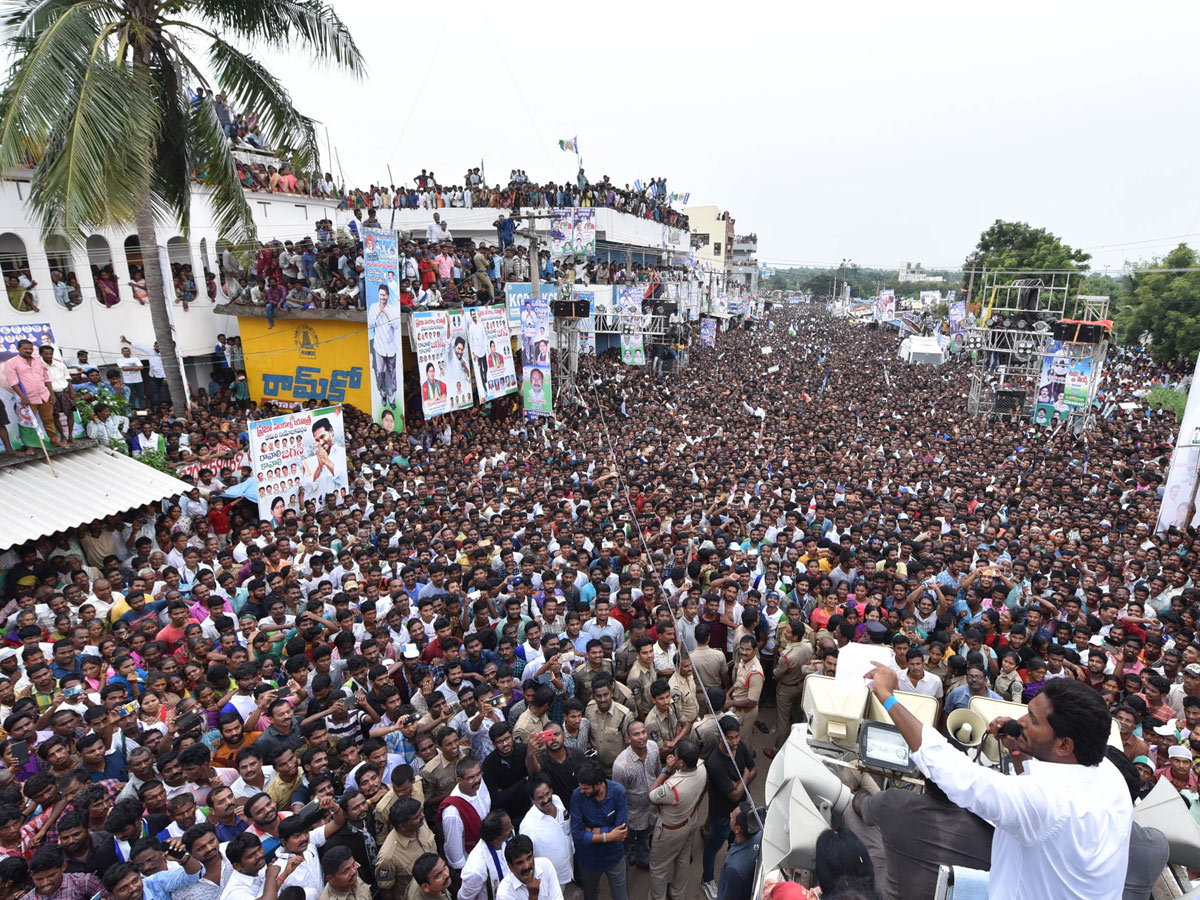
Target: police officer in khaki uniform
[[536, 716], [706, 732], [641, 675], [594, 664], [438, 777], [664, 723], [683, 689], [404, 784], [789, 682], [409, 838], [607, 722], [677, 794], [748, 678]]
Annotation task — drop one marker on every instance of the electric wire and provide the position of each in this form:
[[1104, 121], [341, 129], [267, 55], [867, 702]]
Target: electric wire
[[674, 618]]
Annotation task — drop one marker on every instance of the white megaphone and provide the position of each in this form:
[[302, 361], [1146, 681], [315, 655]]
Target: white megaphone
[[966, 727]]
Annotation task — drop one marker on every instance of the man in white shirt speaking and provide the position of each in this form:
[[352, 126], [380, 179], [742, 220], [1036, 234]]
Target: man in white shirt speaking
[[1063, 822]]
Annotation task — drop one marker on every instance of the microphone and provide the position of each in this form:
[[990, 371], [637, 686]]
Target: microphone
[[1012, 728]]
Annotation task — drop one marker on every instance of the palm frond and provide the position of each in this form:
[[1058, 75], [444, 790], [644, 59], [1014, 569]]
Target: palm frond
[[300, 24], [51, 66], [230, 211], [96, 168], [24, 20], [171, 181], [248, 85]]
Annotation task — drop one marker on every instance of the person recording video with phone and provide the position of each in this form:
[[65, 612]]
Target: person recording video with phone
[[1062, 823]]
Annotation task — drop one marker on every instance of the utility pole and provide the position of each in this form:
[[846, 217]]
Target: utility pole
[[566, 330], [535, 262]]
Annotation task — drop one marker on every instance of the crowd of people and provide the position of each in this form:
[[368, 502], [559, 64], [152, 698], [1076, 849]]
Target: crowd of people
[[260, 172], [326, 271], [527, 660]]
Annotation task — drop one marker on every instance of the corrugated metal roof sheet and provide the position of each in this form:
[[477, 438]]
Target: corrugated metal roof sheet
[[91, 484]]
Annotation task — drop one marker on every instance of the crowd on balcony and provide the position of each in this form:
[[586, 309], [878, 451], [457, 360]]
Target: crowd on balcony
[[426, 193], [326, 271], [261, 172]]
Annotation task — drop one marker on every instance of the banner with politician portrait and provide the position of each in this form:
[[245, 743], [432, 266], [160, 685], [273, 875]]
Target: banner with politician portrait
[[573, 232], [587, 336], [629, 323], [536, 391], [708, 332], [491, 351], [535, 331], [296, 458], [429, 330], [458, 361], [958, 315], [385, 331]]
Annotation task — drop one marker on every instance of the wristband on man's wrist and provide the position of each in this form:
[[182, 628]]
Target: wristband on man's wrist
[[889, 703]]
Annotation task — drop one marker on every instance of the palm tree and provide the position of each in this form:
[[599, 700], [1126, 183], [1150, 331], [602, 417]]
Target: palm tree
[[99, 100]]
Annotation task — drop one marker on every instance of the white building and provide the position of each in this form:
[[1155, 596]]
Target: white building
[[97, 328], [913, 272]]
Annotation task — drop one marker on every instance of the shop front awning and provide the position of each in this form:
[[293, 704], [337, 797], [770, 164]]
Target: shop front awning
[[92, 483]]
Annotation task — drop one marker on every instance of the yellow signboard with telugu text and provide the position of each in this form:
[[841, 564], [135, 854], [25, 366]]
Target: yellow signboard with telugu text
[[306, 359]]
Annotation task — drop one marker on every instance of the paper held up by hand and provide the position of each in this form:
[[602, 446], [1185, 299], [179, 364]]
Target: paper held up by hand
[[854, 662]]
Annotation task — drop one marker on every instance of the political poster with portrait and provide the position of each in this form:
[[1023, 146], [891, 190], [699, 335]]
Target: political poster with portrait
[[708, 332], [491, 351], [587, 336], [886, 306], [1078, 383], [385, 330], [298, 457], [629, 323], [573, 232], [958, 315], [458, 361], [536, 390], [535, 331], [1053, 380], [430, 328]]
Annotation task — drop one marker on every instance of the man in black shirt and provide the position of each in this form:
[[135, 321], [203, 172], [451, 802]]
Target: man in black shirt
[[558, 762], [505, 773], [725, 791]]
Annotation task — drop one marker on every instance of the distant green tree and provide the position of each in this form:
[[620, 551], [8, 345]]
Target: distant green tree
[[1019, 246], [777, 282], [1166, 306], [1118, 290]]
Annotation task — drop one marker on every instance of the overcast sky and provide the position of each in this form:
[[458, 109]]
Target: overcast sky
[[881, 132]]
